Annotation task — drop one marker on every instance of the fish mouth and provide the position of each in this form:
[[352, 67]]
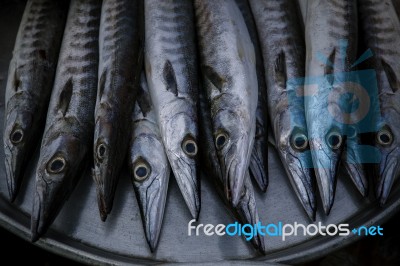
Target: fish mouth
[[326, 164], [235, 163], [259, 166], [356, 171], [13, 164], [48, 200], [152, 196], [389, 171], [185, 172], [247, 213], [301, 176]]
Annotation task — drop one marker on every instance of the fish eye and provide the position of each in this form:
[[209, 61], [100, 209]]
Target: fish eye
[[334, 140], [17, 136], [351, 132], [384, 137], [56, 165], [141, 171], [299, 141], [189, 146], [101, 151], [221, 140]]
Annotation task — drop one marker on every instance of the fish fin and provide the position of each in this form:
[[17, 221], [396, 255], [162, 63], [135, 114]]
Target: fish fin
[[329, 68], [102, 84], [169, 77], [65, 97], [280, 69], [42, 54], [390, 75], [216, 79], [143, 101], [16, 81]]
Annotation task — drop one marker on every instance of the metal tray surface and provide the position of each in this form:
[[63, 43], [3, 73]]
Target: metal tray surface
[[79, 234]]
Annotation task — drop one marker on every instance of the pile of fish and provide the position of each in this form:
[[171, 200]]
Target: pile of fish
[[184, 87]]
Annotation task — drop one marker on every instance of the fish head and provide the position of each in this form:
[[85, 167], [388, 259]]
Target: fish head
[[61, 161], [17, 142], [233, 141], [150, 173], [294, 149], [109, 154], [180, 140], [387, 140]]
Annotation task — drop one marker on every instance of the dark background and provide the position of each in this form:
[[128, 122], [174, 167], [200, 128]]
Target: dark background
[[378, 250]]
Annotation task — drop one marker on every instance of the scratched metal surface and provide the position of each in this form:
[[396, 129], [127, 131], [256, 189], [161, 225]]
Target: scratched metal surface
[[79, 234]]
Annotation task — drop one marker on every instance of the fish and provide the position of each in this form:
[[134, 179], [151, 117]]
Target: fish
[[68, 135], [228, 67], [171, 72], [283, 51], [246, 209], [148, 165], [331, 46], [259, 156], [121, 44], [29, 84], [381, 29]]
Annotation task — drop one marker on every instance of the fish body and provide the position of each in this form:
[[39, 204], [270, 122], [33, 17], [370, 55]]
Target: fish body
[[148, 164], [229, 74], [331, 34], [30, 80], [120, 62], [381, 27], [259, 155], [69, 128], [246, 209], [171, 72], [283, 51]]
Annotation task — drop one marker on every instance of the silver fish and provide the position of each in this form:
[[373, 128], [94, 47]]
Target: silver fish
[[259, 156], [68, 134], [284, 60], [149, 165], [246, 209], [229, 73], [171, 71], [330, 32], [121, 48], [30, 80], [381, 27]]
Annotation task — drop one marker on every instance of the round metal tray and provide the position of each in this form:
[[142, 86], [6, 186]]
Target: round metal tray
[[79, 234]]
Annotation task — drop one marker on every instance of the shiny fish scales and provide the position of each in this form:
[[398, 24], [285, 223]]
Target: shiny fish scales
[[30, 80], [68, 135], [229, 75], [259, 156], [331, 25], [171, 72], [381, 26], [284, 59], [246, 209], [149, 166], [120, 63]]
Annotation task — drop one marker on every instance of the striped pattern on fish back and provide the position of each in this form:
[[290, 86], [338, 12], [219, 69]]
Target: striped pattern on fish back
[[342, 21], [173, 21], [218, 45], [36, 49], [74, 94], [283, 48], [381, 28], [119, 47]]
